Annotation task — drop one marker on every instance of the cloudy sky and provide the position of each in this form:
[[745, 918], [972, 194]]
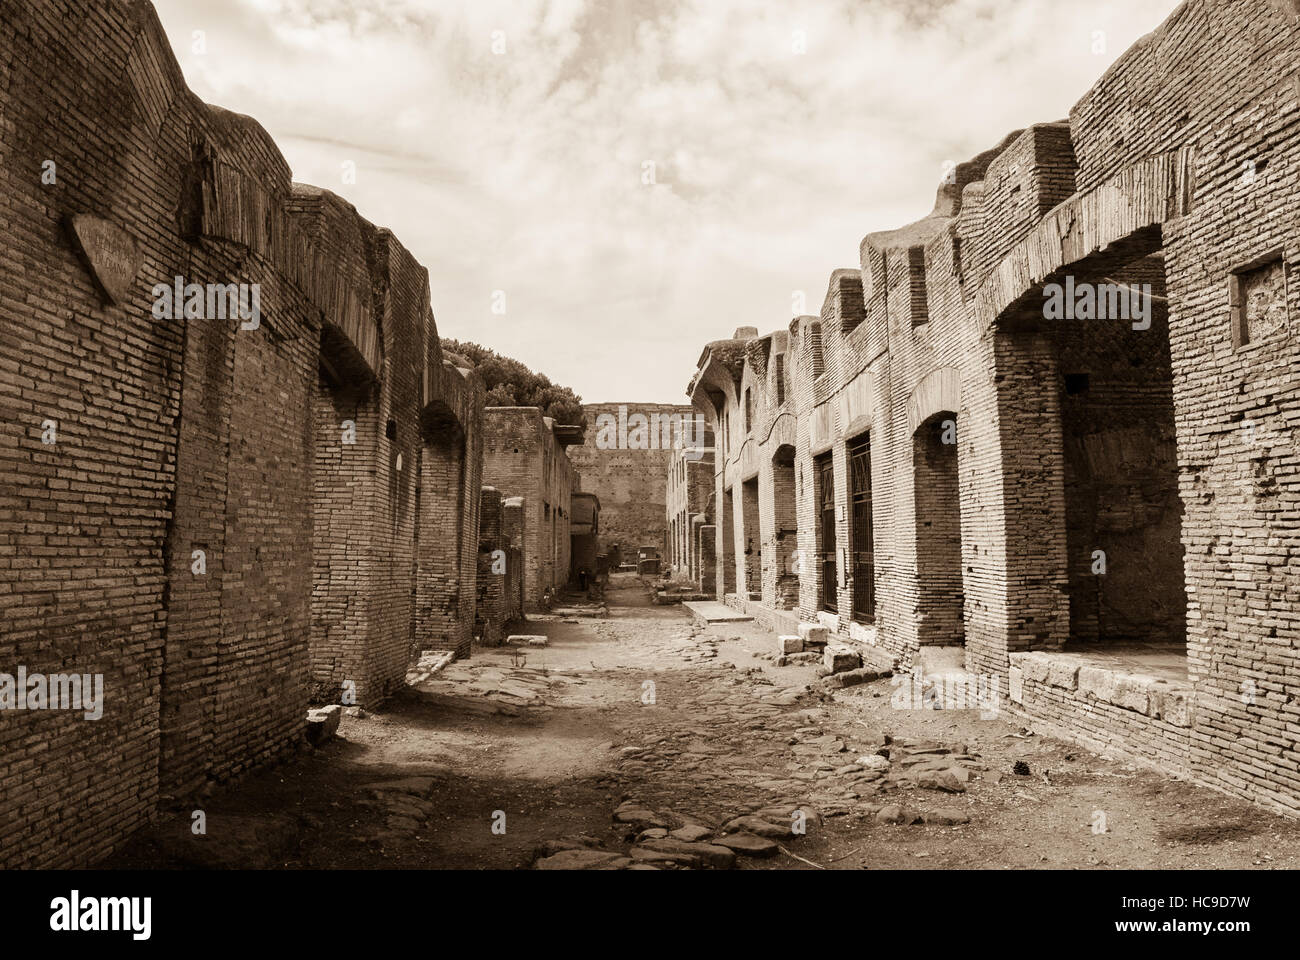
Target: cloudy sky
[[633, 178]]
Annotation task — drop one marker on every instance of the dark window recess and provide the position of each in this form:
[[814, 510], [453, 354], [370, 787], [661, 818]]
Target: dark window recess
[[815, 348], [1076, 383], [390, 430], [861, 543], [919, 299], [1257, 295], [826, 513]]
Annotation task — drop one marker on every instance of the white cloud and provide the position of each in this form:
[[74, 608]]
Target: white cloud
[[523, 171]]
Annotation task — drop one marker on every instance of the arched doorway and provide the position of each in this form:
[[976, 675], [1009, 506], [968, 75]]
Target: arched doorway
[[940, 591]]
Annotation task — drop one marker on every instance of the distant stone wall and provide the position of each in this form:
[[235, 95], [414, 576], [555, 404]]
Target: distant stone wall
[[629, 482]]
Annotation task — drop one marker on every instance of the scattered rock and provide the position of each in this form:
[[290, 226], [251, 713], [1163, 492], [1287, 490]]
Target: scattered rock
[[748, 845], [946, 780], [759, 827], [709, 854], [892, 813], [583, 859], [690, 833], [679, 859], [947, 817], [323, 723], [850, 678], [548, 848], [635, 815]]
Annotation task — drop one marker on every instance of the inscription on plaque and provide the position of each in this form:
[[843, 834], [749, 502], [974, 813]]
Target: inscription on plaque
[[112, 254]]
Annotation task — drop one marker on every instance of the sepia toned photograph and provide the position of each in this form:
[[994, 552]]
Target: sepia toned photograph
[[649, 436]]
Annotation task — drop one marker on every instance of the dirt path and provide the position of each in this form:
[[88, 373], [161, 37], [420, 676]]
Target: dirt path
[[519, 751]]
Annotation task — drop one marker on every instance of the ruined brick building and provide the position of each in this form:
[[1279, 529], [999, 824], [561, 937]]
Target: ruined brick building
[[584, 528], [1100, 510], [628, 476], [524, 456], [225, 513], [692, 549], [500, 565]]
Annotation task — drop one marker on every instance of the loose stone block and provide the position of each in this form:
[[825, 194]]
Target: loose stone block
[[786, 645], [323, 723], [812, 633], [526, 640], [837, 659]]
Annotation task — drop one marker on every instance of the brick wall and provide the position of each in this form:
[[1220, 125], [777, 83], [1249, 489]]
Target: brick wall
[[1176, 169], [629, 482], [522, 458], [690, 494], [190, 533]]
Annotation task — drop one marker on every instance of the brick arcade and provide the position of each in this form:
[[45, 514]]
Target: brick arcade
[[1099, 510]]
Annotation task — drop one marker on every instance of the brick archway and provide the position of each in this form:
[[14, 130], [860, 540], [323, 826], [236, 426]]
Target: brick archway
[[940, 591]]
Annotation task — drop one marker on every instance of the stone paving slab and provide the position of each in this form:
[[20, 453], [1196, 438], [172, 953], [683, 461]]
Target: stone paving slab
[[710, 611]]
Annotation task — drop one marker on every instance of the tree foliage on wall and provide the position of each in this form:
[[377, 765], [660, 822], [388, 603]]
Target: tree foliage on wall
[[511, 384]]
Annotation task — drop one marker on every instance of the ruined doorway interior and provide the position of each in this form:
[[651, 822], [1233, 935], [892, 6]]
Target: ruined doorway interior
[[728, 542], [1086, 400], [1123, 511], [753, 555], [940, 591], [785, 531], [861, 538]]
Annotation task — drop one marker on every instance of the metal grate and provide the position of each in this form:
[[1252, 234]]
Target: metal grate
[[826, 487], [861, 542]]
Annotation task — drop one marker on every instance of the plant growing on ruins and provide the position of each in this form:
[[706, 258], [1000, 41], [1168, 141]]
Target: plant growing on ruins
[[511, 384]]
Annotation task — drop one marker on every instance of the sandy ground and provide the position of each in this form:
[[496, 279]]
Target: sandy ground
[[513, 748]]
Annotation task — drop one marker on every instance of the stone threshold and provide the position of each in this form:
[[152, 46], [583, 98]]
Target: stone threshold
[[1090, 681]]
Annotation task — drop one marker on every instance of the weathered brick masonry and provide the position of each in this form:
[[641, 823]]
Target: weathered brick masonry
[[524, 455], [629, 481], [199, 530], [690, 513], [584, 527], [500, 565], [1103, 515]]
